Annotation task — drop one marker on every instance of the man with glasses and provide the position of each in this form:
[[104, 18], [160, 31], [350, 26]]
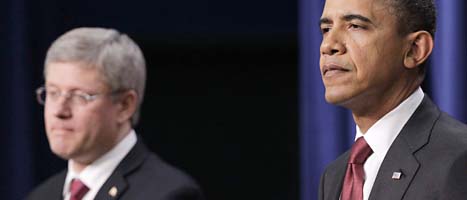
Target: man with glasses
[[94, 87]]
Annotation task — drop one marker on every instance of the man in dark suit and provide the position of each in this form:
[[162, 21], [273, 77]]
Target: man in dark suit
[[372, 62], [94, 87]]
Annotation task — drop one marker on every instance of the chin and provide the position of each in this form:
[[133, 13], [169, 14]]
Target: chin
[[62, 155], [334, 97], [61, 151]]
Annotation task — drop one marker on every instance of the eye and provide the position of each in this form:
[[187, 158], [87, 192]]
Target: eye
[[325, 30], [356, 26], [81, 97], [53, 93]]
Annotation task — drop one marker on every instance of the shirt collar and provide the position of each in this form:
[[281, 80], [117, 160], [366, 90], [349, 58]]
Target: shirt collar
[[381, 135], [95, 174]]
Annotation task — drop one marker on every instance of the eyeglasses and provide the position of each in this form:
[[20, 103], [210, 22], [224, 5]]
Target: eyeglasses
[[76, 97]]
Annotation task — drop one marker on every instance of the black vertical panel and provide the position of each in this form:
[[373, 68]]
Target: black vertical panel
[[225, 111]]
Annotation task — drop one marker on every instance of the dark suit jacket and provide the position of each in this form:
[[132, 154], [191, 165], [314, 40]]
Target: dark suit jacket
[[140, 175], [431, 153]]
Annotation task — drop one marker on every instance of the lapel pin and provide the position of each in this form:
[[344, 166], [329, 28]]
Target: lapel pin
[[396, 175], [113, 191]]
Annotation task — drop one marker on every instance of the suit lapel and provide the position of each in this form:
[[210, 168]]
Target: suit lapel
[[400, 157], [117, 185], [114, 187], [56, 192], [335, 177]]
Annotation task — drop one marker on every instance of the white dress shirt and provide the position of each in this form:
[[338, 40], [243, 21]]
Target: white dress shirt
[[381, 135], [95, 174]]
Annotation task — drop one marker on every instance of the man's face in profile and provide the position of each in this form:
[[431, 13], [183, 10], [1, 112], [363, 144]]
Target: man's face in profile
[[77, 129], [361, 51]]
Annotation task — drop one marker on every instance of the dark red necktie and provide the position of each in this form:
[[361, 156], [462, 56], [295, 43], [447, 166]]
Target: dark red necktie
[[352, 189], [77, 189]]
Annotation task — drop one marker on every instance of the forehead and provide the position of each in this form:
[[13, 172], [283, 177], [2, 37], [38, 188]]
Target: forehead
[[376, 10], [72, 75]]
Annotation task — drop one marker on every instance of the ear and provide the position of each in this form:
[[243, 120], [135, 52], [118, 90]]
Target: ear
[[127, 103], [420, 47]]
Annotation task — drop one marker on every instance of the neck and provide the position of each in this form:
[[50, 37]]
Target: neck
[[79, 164], [371, 113], [78, 167]]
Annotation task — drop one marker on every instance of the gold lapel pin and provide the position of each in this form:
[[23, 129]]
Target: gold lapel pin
[[396, 175], [113, 191]]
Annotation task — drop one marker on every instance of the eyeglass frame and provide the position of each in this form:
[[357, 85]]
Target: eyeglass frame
[[70, 94]]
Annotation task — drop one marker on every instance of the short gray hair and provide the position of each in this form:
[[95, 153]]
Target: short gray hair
[[117, 57]]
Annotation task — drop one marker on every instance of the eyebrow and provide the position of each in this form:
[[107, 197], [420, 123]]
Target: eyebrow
[[351, 17], [348, 17], [325, 21]]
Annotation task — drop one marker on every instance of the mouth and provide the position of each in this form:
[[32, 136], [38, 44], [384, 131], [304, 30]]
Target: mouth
[[62, 130], [333, 69]]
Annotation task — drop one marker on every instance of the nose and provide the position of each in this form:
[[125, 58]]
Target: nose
[[333, 43], [62, 109]]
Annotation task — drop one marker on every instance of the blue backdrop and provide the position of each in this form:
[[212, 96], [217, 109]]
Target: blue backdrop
[[326, 131]]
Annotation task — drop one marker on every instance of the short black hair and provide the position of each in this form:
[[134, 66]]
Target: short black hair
[[415, 15]]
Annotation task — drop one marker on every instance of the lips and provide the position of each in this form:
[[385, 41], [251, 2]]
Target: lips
[[331, 69], [62, 129]]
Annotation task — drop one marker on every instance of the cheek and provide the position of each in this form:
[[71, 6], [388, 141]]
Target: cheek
[[48, 116], [85, 120], [97, 118], [365, 55], [361, 60]]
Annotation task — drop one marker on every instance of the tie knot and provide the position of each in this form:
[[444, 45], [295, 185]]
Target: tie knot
[[77, 189], [360, 151]]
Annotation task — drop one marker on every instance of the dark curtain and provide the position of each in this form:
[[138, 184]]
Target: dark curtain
[[327, 131], [28, 27], [17, 102]]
